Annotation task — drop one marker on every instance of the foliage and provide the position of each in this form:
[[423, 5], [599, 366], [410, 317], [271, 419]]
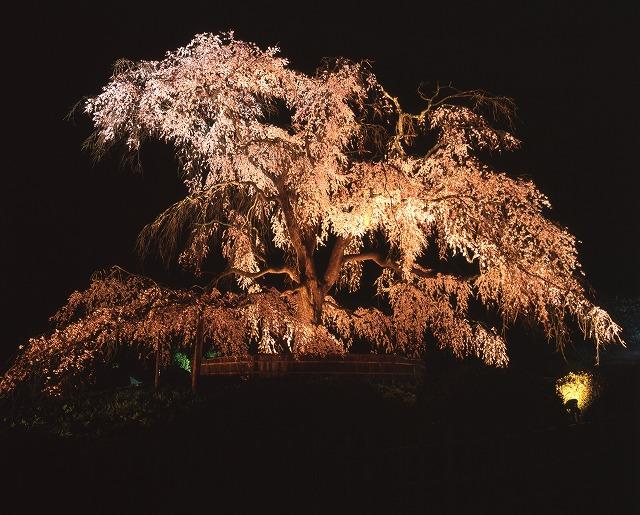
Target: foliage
[[307, 178], [181, 360], [102, 412], [121, 410]]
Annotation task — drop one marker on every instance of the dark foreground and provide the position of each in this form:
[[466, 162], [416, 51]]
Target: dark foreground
[[472, 440]]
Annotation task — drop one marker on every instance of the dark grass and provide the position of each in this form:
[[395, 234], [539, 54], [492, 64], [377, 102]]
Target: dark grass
[[469, 440]]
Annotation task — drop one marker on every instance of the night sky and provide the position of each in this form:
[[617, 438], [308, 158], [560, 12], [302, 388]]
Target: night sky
[[572, 70]]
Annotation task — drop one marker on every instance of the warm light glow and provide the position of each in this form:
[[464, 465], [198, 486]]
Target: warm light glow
[[580, 386]]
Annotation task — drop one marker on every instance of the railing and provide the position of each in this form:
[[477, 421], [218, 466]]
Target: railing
[[270, 365], [375, 366]]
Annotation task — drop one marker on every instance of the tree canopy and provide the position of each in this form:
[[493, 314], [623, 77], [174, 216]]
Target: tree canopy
[[302, 181]]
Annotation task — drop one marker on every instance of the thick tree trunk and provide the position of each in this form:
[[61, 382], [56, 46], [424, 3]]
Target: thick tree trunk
[[317, 300], [311, 305], [317, 289], [314, 285], [311, 302]]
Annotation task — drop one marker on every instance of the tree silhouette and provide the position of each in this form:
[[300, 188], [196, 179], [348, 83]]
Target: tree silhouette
[[311, 186]]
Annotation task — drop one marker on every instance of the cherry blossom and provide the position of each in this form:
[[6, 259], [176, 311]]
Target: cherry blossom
[[282, 168]]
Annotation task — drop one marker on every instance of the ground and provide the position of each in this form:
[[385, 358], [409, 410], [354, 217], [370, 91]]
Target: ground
[[470, 439]]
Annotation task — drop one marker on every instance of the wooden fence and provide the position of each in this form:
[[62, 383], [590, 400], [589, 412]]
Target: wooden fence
[[276, 365], [375, 366], [272, 365]]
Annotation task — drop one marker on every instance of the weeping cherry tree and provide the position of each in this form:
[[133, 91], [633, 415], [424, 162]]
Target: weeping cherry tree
[[311, 188]]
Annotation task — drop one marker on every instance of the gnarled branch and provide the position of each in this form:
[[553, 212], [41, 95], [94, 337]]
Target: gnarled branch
[[255, 275]]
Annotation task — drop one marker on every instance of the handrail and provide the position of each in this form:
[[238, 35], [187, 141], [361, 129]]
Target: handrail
[[274, 365]]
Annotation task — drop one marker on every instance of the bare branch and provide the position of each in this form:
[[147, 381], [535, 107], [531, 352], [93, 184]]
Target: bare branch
[[383, 262], [255, 275]]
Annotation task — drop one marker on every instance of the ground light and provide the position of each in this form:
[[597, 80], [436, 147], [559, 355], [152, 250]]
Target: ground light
[[577, 391]]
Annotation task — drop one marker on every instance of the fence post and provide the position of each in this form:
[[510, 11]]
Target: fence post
[[197, 355], [156, 382]]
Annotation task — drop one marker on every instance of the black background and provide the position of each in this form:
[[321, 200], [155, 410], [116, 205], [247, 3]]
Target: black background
[[571, 68]]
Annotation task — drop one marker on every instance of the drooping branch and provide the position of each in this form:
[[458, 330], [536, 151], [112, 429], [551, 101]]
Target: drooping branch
[[263, 195], [165, 231], [121, 310]]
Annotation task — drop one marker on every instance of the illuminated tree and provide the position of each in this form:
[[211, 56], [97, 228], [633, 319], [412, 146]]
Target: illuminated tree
[[301, 181]]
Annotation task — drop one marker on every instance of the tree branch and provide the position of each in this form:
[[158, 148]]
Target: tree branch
[[255, 275], [221, 185], [372, 256], [304, 257], [420, 271], [335, 263]]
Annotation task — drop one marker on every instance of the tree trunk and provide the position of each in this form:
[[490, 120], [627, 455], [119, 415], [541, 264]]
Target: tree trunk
[[315, 286], [312, 302], [196, 360]]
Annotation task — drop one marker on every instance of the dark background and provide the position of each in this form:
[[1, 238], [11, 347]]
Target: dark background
[[571, 68]]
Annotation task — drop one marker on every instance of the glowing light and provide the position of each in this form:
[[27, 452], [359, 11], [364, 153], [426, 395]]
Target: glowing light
[[579, 386]]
